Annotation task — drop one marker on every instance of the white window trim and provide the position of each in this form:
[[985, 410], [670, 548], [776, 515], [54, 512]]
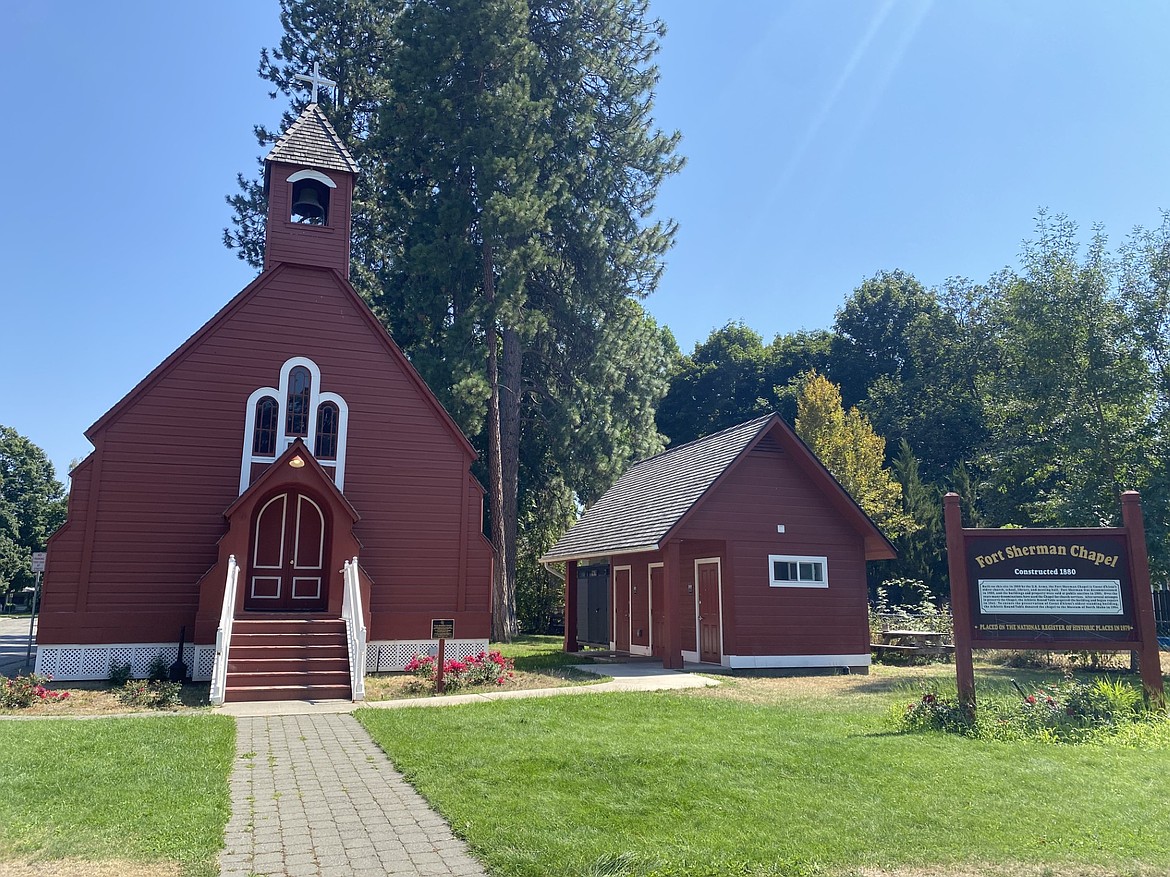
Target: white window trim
[[796, 558], [311, 175], [280, 394]]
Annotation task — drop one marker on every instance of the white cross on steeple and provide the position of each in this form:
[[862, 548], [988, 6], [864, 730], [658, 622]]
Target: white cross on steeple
[[316, 80]]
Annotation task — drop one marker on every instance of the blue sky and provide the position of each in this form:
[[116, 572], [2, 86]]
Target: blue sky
[[825, 141]]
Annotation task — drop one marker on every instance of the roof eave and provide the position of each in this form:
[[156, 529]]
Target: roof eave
[[562, 556]]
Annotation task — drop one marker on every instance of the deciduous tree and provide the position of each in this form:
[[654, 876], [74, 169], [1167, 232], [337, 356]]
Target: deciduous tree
[[850, 449], [32, 506]]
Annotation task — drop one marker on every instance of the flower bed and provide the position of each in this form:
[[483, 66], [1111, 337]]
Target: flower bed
[[1068, 711], [21, 692], [486, 668]]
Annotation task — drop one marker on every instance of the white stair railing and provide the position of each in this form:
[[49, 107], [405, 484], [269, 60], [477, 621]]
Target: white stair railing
[[223, 633], [355, 629]]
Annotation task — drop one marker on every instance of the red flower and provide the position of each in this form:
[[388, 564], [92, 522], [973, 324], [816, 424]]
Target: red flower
[[1031, 698]]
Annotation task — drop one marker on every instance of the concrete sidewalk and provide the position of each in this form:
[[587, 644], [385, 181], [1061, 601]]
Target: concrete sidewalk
[[642, 676]]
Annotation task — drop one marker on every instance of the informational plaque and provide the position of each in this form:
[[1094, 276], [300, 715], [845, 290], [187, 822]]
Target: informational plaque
[[442, 628], [37, 563], [1074, 589], [1050, 588]]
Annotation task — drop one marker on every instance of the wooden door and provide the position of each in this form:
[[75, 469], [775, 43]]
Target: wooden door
[[707, 593], [640, 616], [657, 617], [288, 555], [621, 608]]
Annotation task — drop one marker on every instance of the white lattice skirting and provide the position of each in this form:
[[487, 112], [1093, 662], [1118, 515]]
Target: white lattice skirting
[[383, 657], [80, 662]]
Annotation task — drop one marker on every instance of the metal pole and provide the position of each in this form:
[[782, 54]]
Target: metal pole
[[32, 618]]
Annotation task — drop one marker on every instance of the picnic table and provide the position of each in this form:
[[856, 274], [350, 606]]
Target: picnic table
[[912, 643]]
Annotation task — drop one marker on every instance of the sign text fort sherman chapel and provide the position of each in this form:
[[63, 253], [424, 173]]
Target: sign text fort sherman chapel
[[1049, 588], [1086, 589]]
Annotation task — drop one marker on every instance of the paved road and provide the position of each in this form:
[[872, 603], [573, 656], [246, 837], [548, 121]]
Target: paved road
[[14, 645], [313, 796]]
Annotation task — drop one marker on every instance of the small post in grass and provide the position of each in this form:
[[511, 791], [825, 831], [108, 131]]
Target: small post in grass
[[37, 565], [441, 629]]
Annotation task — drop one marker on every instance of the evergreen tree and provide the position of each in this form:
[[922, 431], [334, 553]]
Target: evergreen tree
[[510, 165]]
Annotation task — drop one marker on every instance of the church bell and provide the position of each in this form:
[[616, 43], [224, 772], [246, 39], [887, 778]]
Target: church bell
[[307, 205]]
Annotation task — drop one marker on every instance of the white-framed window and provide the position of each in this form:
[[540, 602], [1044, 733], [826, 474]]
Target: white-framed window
[[795, 571], [296, 408]]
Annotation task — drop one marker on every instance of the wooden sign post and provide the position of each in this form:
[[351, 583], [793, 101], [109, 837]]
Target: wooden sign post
[[441, 629], [1074, 589]]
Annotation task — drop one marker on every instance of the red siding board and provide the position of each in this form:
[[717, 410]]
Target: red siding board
[[766, 489], [170, 458]]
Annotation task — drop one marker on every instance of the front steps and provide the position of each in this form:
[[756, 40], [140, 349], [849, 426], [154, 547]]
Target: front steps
[[283, 658]]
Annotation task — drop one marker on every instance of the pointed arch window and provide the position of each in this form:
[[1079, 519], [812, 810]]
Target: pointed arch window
[[297, 406], [328, 420], [300, 386], [264, 434]]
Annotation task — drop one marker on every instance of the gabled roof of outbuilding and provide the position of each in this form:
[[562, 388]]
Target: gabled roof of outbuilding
[[653, 497], [311, 141]]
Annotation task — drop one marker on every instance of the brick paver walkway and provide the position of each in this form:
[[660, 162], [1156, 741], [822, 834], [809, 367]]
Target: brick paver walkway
[[313, 796]]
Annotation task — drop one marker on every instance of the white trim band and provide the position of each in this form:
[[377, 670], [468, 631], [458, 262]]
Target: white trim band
[[763, 662]]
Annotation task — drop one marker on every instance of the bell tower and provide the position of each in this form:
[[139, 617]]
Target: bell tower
[[308, 180]]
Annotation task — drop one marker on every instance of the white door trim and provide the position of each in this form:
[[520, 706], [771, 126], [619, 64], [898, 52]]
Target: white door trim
[[718, 561], [613, 603], [636, 649], [650, 598]]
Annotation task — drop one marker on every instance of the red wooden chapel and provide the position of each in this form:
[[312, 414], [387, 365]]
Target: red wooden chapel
[[284, 486]]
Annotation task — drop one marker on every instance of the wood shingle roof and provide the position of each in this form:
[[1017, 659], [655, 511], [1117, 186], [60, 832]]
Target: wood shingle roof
[[311, 141], [652, 496]]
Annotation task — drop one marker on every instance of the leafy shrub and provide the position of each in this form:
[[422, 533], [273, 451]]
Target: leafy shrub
[[486, 668], [159, 669], [152, 693], [1069, 711], [21, 692], [120, 673]]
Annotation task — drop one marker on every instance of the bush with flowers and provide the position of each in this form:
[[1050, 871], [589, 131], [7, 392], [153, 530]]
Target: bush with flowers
[[153, 693], [21, 692], [486, 668], [1069, 711]]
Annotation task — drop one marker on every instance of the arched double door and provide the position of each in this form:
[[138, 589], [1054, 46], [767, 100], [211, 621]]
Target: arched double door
[[288, 555]]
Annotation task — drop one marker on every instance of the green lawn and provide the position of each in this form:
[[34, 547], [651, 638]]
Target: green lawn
[[537, 652], [786, 777], [144, 790]]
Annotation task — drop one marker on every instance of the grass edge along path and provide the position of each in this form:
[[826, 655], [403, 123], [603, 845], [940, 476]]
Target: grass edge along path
[[152, 789], [681, 785]]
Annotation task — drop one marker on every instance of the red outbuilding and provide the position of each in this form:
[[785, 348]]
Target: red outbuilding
[[284, 487], [738, 549]]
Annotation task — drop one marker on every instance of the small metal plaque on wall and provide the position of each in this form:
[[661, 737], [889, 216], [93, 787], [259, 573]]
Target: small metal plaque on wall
[[442, 628]]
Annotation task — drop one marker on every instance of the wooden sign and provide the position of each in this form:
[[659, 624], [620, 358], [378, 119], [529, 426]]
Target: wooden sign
[[1067, 589], [442, 628]]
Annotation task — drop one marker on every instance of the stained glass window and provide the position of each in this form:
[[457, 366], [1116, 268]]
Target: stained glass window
[[296, 421], [264, 431], [327, 422]]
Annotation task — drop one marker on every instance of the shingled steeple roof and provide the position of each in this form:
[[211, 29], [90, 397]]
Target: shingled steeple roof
[[311, 141]]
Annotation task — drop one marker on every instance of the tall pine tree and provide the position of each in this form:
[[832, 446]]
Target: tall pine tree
[[502, 225]]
